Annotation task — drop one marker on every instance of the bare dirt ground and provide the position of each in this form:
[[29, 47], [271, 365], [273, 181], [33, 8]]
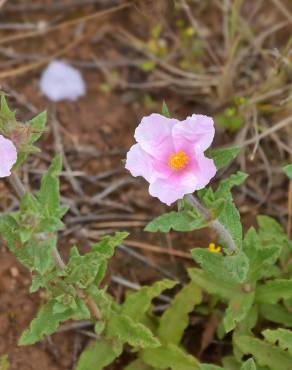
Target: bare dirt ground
[[111, 48]]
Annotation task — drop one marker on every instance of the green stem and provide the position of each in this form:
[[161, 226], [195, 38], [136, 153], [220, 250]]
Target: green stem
[[214, 224], [20, 190]]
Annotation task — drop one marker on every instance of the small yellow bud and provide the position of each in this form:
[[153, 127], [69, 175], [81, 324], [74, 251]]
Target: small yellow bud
[[213, 248]]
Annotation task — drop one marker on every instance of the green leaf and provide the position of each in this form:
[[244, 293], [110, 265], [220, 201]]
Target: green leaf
[[272, 291], [281, 336], [178, 314], [261, 257], [178, 221], [230, 219], [230, 363], [276, 313], [165, 110], [99, 354], [208, 283], [288, 171], [225, 186], [223, 156], [107, 245], [265, 354], [237, 310], [230, 268], [49, 194], [44, 324], [36, 127], [249, 365], [5, 113], [169, 357], [42, 253], [126, 330], [138, 303], [237, 266], [210, 367], [137, 365]]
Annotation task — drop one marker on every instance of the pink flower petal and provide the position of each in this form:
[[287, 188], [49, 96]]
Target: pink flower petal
[[174, 188], [140, 163], [154, 135], [204, 168], [8, 155], [197, 130]]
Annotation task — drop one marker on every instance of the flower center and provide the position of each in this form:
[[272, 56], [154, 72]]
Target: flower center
[[178, 161]]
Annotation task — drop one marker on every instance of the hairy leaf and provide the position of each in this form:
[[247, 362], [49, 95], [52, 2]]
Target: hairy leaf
[[127, 330], [237, 266], [276, 313], [44, 324], [281, 336], [237, 310], [138, 303], [265, 353], [99, 354], [208, 283], [274, 290], [249, 365], [178, 221], [178, 314], [169, 357], [223, 156]]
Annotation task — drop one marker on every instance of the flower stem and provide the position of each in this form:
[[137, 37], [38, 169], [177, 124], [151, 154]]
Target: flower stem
[[20, 190], [214, 224]]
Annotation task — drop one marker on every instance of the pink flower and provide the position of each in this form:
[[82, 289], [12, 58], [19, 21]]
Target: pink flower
[[8, 155], [169, 154]]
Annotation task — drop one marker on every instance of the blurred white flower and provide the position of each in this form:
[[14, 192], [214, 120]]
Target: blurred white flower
[[60, 81]]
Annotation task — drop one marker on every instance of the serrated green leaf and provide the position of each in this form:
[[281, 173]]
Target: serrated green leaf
[[237, 266], [214, 264], [288, 171], [99, 354], [178, 221], [237, 310], [127, 330], [169, 357], [230, 219], [138, 303], [208, 283], [281, 336], [272, 291], [44, 324], [223, 156], [178, 314], [249, 365], [225, 186], [106, 246], [265, 353], [165, 110], [261, 257]]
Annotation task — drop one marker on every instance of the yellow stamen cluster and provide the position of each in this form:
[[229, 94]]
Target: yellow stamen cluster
[[178, 161], [213, 248]]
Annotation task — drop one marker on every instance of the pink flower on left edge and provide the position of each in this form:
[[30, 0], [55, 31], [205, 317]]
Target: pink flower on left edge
[[8, 156], [169, 154]]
